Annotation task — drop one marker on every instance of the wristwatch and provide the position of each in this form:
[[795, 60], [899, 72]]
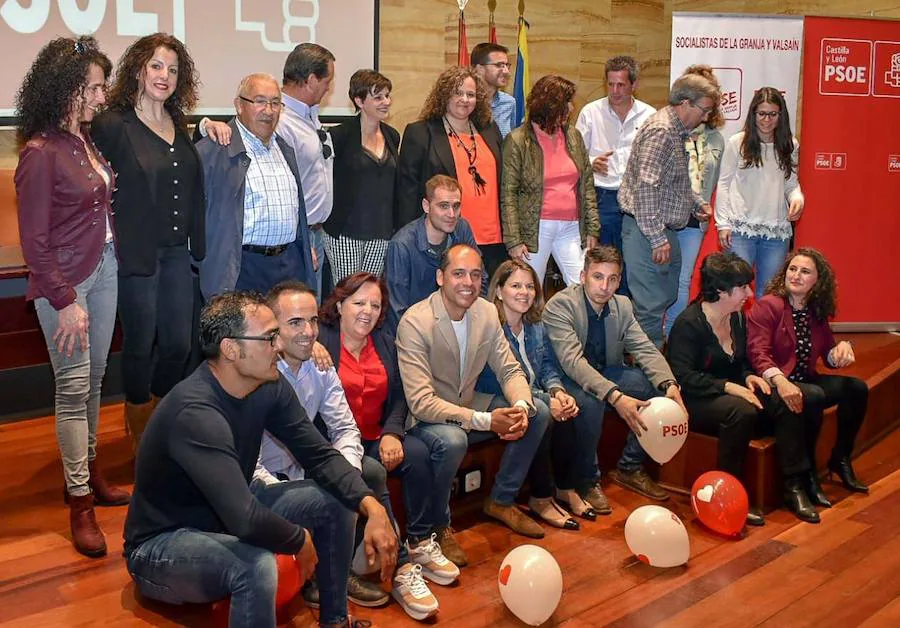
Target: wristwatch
[[664, 386]]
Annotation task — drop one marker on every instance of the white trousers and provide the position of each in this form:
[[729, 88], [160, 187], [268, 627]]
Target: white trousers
[[562, 239]]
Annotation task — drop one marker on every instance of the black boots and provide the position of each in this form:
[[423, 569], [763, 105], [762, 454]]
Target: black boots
[[797, 501], [814, 489], [844, 470]]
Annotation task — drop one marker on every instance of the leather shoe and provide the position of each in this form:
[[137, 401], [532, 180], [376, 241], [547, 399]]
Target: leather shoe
[[797, 501], [87, 537], [814, 489], [597, 499], [639, 482], [514, 518], [844, 470], [550, 512], [365, 593], [576, 505], [450, 547], [755, 518]]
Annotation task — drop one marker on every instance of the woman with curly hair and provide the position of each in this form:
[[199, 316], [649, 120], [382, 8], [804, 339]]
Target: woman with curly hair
[[759, 196], [159, 217], [455, 136], [704, 148], [548, 203], [64, 189], [787, 333]]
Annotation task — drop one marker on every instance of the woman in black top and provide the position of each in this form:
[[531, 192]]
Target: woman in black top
[[159, 209], [707, 350], [365, 168]]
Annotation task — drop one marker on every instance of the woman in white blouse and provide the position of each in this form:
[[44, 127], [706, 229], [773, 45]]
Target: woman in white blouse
[[758, 195]]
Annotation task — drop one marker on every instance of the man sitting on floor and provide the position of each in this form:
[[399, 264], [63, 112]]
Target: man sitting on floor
[[443, 344], [195, 533], [321, 393]]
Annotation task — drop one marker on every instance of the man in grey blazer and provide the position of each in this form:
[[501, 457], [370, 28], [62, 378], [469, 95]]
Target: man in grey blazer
[[591, 328], [256, 231], [443, 344]]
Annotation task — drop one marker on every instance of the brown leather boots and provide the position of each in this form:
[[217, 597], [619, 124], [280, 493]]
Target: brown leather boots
[[87, 537]]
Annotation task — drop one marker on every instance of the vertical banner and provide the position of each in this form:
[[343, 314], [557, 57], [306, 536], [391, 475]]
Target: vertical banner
[[850, 162], [745, 52]]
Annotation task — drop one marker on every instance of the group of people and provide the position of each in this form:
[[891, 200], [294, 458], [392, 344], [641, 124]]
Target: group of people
[[281, 439]]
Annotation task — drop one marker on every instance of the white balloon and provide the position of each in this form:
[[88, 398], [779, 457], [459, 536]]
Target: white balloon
[[530, 583], [657, 537], [667, 429]]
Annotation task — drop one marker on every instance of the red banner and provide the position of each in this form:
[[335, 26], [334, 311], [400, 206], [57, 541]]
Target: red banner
[[850, 161]]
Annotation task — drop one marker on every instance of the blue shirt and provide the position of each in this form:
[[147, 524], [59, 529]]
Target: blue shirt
[[299, 125], [319, 392], [411, 269], [595, 346], [503, 108]]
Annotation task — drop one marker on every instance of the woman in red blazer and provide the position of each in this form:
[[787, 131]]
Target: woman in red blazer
[[63, 186], [787, 334]]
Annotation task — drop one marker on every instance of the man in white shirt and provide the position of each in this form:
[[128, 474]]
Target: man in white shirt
[[609, 126], [320, 393], [306, 79]]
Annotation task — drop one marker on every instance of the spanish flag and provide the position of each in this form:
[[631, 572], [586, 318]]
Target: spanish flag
[[522, 84]]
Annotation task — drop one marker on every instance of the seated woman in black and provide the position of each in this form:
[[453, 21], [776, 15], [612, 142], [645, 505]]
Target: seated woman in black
[[707, 350]]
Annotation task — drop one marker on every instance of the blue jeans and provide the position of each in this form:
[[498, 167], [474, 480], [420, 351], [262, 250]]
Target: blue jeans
[[654, 287], [611, 226], [193, 566], [156, 310], [79, 377], [446, 446], [765, 254], [690, 239], [375, 477]]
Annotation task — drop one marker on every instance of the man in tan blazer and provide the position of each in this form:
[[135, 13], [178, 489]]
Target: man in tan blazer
[[443, 343]]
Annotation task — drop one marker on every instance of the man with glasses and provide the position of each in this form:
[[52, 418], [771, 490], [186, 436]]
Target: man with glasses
[[657, 199], [195, 531], [491, 63], [307, 76], [256, 230]]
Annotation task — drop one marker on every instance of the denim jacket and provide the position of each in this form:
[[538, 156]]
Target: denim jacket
[[540, 356]]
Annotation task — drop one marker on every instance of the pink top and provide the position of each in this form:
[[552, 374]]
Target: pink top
[[561, 177]]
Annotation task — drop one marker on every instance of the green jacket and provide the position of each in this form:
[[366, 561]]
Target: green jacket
[[522, 187]]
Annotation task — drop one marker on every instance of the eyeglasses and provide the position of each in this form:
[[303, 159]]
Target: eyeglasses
[[500, 65], [271, 338], [262, 104], [323, 137], [705, 110], [768, 114]]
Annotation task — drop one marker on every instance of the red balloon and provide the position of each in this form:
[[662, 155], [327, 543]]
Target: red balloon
[[720, 502], [289, 584]]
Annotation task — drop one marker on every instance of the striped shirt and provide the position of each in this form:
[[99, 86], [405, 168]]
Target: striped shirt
[[271, 196], [503, 110], [656, 188]]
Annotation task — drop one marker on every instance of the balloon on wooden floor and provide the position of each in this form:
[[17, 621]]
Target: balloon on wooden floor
[[530, 583], [720, 502], [667, 425], [657, 537]]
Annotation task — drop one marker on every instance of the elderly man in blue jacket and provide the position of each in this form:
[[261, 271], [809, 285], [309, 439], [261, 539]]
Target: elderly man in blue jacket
[[256, 229]]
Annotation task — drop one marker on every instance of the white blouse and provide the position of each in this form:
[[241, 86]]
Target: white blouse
[[753, 202]]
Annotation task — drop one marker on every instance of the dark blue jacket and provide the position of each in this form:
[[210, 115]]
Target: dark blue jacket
[[224, 177], [540, 355], [411, 273]]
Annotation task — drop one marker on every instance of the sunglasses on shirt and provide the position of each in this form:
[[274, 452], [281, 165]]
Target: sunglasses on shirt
[[323, 137]]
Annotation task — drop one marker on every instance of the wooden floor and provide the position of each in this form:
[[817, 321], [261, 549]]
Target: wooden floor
[[843, 572]]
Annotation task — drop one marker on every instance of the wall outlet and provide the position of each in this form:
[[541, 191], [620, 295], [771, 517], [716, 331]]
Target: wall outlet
[[472, 481]]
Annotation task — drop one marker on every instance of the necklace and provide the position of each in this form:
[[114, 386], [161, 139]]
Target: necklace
[[471, 155], [160, 127]]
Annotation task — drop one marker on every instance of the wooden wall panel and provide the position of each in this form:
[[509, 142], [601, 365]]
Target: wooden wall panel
[[569, 37]]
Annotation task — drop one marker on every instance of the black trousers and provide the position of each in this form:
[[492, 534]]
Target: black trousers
[[156, 314], [735, 422], [851, 396], [492, 255]]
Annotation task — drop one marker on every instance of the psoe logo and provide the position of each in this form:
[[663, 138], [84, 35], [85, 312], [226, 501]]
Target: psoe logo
[[823, 161], [892, 76], [732, 83], [893, 163], [887, 69]]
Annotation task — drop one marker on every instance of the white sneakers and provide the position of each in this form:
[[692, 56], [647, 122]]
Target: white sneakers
[[412, 593], [434, 565]]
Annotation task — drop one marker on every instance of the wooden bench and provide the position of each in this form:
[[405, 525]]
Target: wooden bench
[[12, 264]]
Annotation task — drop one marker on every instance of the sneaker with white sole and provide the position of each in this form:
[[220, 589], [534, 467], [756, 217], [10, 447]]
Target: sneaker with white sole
[[412, 593], [435, 565]]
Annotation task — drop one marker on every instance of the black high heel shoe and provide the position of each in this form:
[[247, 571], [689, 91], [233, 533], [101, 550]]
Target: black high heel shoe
[[797, 501], [814, 489], [844, 470]]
